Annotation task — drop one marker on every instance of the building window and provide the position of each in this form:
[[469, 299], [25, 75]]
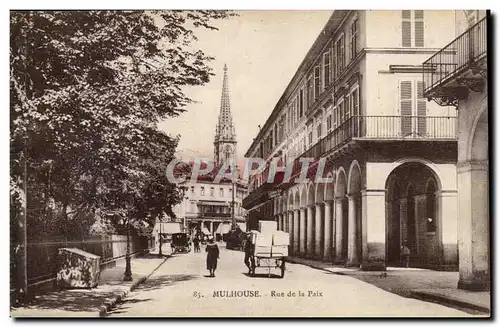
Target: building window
[[354, 38], [192, 190], [412, 28], [275, 134], [317, 82], [318, 130], [202, 191], [335, 116], [355, 102], [412, 103], [211, 191], [295, 113], [347, 107], [301, 102], [289, 120], [334, 60], [341, 113], [340, 54], [329, 123], [221, 192], [310, 138], [326, 69], [310, 90]]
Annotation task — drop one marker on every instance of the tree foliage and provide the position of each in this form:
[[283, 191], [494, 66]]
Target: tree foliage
[[87, 90]]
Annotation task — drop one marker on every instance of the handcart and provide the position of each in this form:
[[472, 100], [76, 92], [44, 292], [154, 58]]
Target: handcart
[[270, 261]]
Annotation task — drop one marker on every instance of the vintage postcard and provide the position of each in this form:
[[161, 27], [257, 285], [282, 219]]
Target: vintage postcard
[[208, 163]]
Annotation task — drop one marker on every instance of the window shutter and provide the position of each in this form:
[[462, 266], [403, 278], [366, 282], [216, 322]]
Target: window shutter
[[347, 107], [421, 110], [342, 51], [342, 112], [355, 102], [334, 117], [419, 28], [405, 97], [406, 28]]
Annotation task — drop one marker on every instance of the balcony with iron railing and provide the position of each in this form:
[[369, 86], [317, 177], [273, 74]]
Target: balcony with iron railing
[[375, 128], [458, 65]]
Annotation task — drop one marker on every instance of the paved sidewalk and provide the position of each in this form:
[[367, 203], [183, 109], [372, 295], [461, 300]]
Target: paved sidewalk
[[92, 302], [424, 284]]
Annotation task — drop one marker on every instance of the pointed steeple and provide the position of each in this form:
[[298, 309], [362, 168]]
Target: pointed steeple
[[225, 107], [225, 135]]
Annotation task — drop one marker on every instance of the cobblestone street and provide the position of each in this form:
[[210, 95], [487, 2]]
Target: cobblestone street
[[180, 288]]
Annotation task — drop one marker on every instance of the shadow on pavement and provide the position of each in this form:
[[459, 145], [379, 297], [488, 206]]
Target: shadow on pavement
[[75, 300], [153, 256], [157, 282], [262, 275]]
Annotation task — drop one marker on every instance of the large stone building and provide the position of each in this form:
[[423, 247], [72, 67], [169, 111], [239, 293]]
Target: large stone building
[[207, 204], [357, 100], [457, 75]]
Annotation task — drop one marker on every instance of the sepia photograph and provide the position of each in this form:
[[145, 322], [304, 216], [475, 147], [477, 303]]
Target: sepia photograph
[[249, 163]]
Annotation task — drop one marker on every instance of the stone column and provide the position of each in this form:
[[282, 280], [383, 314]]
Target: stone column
[[473, 226], [282, 222], [302, 238], [290, 225], [373, 229], [338, 230], [296, 235], [352, 230], [309, 232], [447, 225], [277, 218], [318, 232], [327, 233]]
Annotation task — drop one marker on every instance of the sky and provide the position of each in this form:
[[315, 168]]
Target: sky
[[262, 50]]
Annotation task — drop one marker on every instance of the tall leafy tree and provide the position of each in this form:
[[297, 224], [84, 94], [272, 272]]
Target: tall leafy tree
[[87, 91]]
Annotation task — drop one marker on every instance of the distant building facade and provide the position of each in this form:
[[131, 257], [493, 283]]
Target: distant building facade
[[457, 75], [207, 205], [357, 101]]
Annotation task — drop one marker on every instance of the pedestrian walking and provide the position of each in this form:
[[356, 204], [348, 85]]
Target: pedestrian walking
[[405, 255], [249, 258], [212, 255], [196, 242]]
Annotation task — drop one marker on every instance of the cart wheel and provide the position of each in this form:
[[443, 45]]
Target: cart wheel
[[282, 269]]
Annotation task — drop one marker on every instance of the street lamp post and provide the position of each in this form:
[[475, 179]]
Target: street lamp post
[[128, 269], [160, 254]]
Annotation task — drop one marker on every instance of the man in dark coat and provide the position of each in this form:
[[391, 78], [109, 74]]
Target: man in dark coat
[[196, 242], [249, 258], [212, 255]]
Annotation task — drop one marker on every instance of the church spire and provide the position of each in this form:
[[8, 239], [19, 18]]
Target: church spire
[[225, 136], [225, 106]]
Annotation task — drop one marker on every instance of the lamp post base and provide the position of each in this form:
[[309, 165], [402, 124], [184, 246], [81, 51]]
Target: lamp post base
[[128, 271]]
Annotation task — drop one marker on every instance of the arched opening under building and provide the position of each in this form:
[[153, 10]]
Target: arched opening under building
[[354, 229], [342, 218], [412, 216], [320, 221]]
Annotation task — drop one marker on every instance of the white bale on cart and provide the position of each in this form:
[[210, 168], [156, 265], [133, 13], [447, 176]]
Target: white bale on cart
[[262, 244], [281, 238], [268, 226], [281, 241]]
